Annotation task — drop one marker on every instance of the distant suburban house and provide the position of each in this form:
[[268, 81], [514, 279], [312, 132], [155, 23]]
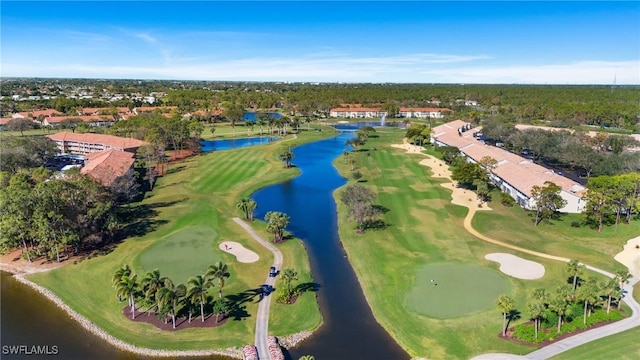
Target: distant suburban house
[[434, 113], [108, 166], [4, 122], [361, 112], [147, 109], [357, 112], [90, 120], [119, 112], [35, 114], [513, 174], [83, 144]]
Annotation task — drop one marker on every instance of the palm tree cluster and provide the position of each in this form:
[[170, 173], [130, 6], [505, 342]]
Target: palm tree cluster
[[582, 297], [247, 206], [276, 222], [163, 297]]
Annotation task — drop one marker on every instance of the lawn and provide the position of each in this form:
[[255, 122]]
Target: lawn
[[181, 223], [425, 230], [622, 346], [514, 226]]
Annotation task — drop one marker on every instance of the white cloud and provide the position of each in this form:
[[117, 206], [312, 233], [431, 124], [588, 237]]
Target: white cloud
[[146, 37], [428, 68]]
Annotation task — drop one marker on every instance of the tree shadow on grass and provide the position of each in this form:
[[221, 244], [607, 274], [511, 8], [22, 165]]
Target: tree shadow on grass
[[307, 286], [244, 297], [176, 169], [513, 315]]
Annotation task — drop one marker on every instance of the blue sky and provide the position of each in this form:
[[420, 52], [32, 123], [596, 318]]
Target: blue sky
[[325, 41]]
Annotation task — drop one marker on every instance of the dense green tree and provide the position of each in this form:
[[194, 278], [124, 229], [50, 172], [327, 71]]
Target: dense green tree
[[286, 156], [547, 201], [467, 172]]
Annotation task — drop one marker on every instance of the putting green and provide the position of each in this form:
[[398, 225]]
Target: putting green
[[456, 290], [183, 254]]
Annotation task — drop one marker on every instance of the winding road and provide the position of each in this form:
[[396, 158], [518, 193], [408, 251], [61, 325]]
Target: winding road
[[262, 319]]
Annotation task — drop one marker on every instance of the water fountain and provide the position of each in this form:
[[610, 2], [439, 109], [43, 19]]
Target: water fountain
[[383, 120]]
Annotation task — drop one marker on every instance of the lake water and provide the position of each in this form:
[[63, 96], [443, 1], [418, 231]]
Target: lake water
[[226, 144], [251, 116], [349, 330]]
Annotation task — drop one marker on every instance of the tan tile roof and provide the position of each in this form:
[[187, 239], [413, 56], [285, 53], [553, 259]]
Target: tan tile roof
[[152, 108], [90, 111], [107, 166], [519, 172], [109, 140], [4, 121], [347, 109], [36, 113], [84, 118]]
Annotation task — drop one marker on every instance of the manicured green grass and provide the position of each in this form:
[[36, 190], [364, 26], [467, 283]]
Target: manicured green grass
[[441, 290], [623, 346], [188, 214], [184, 253], [514, 226], [425, 229]]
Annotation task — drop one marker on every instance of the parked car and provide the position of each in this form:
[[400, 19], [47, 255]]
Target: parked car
[[272, 272]]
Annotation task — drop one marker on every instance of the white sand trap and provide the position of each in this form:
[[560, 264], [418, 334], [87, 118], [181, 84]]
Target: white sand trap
[[630, 256], [241, 253], [516, 266]]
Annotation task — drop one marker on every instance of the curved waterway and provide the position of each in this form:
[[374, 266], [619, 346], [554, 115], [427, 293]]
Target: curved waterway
[[349, 330]]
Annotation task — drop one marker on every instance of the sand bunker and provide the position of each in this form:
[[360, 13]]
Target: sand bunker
[[516, 266], [630, 256], [241, 253]]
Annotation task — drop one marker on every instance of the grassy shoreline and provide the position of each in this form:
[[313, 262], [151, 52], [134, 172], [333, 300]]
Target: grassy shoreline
[[431, 232], [199, 193]]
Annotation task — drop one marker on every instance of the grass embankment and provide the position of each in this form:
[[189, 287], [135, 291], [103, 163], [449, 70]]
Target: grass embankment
[[622, 346], [187, 215], [425, 229]]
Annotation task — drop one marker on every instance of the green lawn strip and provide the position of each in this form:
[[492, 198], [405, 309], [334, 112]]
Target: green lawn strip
[[190, 213], [622, 346], [33, 132], [226, 131], [514, 226], [425, 229], [636, 291]]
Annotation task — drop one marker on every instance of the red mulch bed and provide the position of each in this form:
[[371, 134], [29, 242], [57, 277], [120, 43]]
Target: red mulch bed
[[181, 323], [510, 331], [291, 301]]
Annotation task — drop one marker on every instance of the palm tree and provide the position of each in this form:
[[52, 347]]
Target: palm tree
[[610, 289], [247, 206], [127, 288], [589, 293], [561, 307], [242, 205], [537, 311], [506, 305], [252, 205], [345, 155], [289, 275], [622, 277], [219, 271], [125, 270], [262, 121], [151, 282], [276, 222], [197, 291], [170, 295], [574, 268], [540, 295], [286, 155], [306, 357]]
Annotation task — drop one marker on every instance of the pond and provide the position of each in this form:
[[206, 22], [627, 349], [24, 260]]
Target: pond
[[349, 330], [252, 116], [226, 144]]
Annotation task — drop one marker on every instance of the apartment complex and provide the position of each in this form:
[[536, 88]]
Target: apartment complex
[[361, 112], [83, 144], [513, 174]]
